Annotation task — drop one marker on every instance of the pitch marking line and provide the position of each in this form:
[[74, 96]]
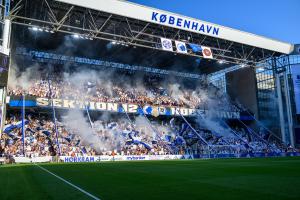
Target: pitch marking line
[[67, 182]]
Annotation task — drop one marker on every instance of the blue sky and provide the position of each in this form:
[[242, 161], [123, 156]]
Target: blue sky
[[277, 19]]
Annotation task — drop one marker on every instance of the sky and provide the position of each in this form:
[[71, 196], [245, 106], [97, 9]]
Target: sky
[[276, 19]]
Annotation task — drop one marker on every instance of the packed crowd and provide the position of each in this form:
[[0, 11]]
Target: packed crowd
[[152, 92], [97, 93], [123, 137], [104, 139], [120, 137]]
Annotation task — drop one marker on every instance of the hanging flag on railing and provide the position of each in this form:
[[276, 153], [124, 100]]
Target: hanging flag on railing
[[180, 47], [195, 48], [166, 44], [206, 51]]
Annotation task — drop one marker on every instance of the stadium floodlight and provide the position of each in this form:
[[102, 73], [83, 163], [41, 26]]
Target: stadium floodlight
[[76, 36], [113, 42], [221, 61], [35, 28], [40, 29], [260, 69], [51, 31]]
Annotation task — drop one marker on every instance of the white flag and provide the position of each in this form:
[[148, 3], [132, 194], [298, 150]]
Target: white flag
[[206, 51], [180, 47], [166, 44]]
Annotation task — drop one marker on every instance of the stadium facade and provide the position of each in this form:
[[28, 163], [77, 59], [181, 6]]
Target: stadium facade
[[259, 73]]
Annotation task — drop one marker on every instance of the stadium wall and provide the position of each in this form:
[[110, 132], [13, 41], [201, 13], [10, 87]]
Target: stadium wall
[[88, 159], [241, 87]]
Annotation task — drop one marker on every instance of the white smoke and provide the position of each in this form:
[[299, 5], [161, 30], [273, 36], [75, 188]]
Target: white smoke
[[75, 120], [143, 125], [23, 79]]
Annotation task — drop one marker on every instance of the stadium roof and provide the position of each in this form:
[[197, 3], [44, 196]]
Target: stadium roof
[[132, 24], [152, 15]]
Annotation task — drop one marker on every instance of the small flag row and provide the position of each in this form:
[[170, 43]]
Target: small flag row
[[181, 47]]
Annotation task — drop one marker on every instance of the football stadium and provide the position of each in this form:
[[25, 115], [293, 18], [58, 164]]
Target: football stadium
[[108, 99]]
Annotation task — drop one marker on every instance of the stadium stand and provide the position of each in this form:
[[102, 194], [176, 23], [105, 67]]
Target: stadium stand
[[128, 135], [185, 100]]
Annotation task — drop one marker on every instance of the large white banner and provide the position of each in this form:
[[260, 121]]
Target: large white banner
[[296, 82]]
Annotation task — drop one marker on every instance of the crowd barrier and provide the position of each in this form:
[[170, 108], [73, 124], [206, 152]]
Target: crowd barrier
[[33, 160], [72, 159], [248, 155], [2, 160], [123, 158]]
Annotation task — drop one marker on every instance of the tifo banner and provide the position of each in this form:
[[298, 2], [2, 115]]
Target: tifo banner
[[134, 108], [14, 101], [295, 69]]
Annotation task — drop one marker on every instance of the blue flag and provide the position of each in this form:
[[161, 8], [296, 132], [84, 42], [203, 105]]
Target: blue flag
[[30, 130], [168, 138], [112, 125], [77, 143], [84, 151], [47, 133], [195, 48], [11, 134], [68, 139], [19, 123], [8, 128], [184, 127], [147, 146], [179, 140]]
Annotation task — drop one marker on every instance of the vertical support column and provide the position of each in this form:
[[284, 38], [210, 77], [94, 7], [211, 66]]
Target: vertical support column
[[2, 109], [289, 107], [279, 101], [4, 49], [23, 123], [6, 36], [6, 29], [1, 10], [7, 8]]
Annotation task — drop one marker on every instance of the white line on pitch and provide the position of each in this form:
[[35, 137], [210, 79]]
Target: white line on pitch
[[67, 182]]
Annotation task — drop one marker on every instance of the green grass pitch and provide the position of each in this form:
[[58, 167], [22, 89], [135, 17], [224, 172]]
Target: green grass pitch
[[270, 178]]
